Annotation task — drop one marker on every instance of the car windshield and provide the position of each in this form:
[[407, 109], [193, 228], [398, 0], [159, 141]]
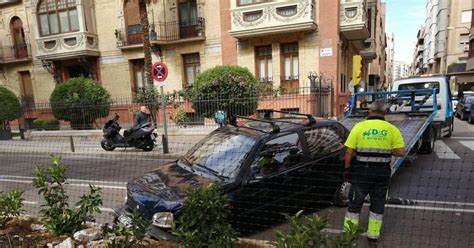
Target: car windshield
[[220, 154], [420, 86]]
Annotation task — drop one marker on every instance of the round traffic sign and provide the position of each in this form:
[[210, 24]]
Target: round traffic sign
[[159, 71]]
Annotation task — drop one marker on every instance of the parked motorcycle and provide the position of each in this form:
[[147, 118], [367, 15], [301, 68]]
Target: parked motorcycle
[[140, 136]]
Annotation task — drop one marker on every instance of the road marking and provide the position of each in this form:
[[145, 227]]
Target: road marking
[[30, 202], [446, 203], [443, 151], [72, 180], [99, 186], [464, 138], [468, 144]]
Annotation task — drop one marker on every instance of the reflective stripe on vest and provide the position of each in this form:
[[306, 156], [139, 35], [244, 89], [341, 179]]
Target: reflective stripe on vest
[[374, 155]]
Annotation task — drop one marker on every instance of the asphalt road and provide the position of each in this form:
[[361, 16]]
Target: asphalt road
[[441, 184]]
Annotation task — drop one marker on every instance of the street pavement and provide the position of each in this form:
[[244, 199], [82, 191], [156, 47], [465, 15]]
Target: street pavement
[[440, 184]]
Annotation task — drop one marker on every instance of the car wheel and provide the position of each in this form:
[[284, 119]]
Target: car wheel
[[470, 119], [451, 130], [429, 139], [341, 196], [107, 145], [463, 116]]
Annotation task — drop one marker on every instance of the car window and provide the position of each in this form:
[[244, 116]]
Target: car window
[[323, 141], [419, 86], [277, 155], [222, 152]]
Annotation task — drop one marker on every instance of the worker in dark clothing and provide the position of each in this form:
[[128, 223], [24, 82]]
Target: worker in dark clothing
[[373, 142], [142, 116]]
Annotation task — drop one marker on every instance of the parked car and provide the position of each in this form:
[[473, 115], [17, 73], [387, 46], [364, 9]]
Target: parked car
[[273, 164], [470, 118], [463, 109]]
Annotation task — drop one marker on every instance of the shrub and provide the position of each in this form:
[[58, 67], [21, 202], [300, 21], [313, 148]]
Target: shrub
[[307, 232], [58, 217], [178, 115], [46, 124], [11, 108], [80, 101], [229, 88], [128, 236], [11, 204], [204, 219]]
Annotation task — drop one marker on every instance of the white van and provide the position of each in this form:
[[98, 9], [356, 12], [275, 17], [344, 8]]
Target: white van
[[444, 119]]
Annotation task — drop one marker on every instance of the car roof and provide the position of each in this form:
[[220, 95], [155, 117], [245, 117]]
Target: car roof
[[256, 128]]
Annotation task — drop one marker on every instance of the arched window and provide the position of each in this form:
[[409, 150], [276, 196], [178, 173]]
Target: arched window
[[18, 35], [57, 16]]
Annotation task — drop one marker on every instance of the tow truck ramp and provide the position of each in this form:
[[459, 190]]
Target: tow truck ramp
[[413, 117]]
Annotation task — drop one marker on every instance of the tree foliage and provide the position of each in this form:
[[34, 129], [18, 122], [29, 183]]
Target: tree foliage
[[229, 88], [11, 108], [80, 101]]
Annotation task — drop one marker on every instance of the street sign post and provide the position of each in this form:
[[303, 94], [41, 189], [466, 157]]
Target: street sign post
[[159, 72]]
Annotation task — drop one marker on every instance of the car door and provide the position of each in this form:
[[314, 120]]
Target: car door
[[266, 188]]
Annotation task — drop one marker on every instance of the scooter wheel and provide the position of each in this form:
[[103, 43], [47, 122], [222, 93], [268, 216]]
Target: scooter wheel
[[107, 146], [149, 146]]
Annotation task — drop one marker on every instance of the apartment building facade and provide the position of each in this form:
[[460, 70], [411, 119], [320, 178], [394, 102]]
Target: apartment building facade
[[390, 53], [45, 42], [377, 79], [417, 64]]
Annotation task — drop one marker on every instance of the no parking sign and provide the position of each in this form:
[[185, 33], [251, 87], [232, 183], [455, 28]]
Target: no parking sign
[[159, 71]]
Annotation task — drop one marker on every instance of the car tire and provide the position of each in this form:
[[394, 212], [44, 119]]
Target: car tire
[[107, 146], [463, 116], [429, 139], [341, 196], [470, 119]]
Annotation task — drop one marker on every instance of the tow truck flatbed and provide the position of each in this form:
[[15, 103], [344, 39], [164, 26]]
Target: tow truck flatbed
[[413, 124]]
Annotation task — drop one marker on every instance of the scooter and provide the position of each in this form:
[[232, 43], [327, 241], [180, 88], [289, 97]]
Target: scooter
[[140, 136]]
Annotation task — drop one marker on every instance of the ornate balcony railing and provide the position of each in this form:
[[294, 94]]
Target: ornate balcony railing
[[15, 53], [162, 32]]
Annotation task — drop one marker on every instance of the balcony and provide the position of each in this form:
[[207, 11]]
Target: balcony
[[6, 2], [15, 53], [273, 18], [67, 45], [354, 24], [162, 33]]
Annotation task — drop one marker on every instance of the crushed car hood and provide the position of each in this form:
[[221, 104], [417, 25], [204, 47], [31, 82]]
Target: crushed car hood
[[162, 189]]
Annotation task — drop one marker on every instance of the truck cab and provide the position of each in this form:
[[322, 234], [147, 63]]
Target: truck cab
[[444, 119]]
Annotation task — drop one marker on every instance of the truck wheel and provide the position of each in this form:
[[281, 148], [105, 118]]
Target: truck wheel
[[341, 196], [429, 138], [451, 129]]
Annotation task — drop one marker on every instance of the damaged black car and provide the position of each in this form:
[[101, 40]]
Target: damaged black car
[[273, 165]]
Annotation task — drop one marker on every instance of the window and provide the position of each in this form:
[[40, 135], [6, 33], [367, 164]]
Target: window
[[263, 57], [189, 22], [287, 11], [466, 16], [57, 16], [248, 2], [18, 35], [138, 74], [323, 141], [290, 68], [278, 155], [252, 16], [192, 68], [464, 42], [343, 84]]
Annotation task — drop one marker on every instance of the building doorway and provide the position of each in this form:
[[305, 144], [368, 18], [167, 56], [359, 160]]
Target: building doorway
[[26, 87], [19, 42]]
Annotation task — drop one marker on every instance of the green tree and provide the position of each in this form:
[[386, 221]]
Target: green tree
[[228, 88], [80, 101], [11, 108]]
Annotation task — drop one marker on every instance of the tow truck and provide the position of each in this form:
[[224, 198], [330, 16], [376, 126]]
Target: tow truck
[[412, 111]]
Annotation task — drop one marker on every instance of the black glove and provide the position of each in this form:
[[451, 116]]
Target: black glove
[[347, 174]]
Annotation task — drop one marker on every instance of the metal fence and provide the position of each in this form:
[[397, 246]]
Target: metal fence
[[181, 110]]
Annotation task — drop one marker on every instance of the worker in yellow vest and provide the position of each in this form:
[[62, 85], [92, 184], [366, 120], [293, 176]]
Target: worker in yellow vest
[[373, 142]]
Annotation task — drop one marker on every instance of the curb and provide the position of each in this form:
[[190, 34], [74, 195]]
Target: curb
[[116, 154]]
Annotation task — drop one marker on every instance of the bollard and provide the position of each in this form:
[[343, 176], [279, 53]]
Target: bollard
[[71, 141], [164, 141]]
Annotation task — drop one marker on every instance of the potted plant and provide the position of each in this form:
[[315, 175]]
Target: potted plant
[[9, 111]]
